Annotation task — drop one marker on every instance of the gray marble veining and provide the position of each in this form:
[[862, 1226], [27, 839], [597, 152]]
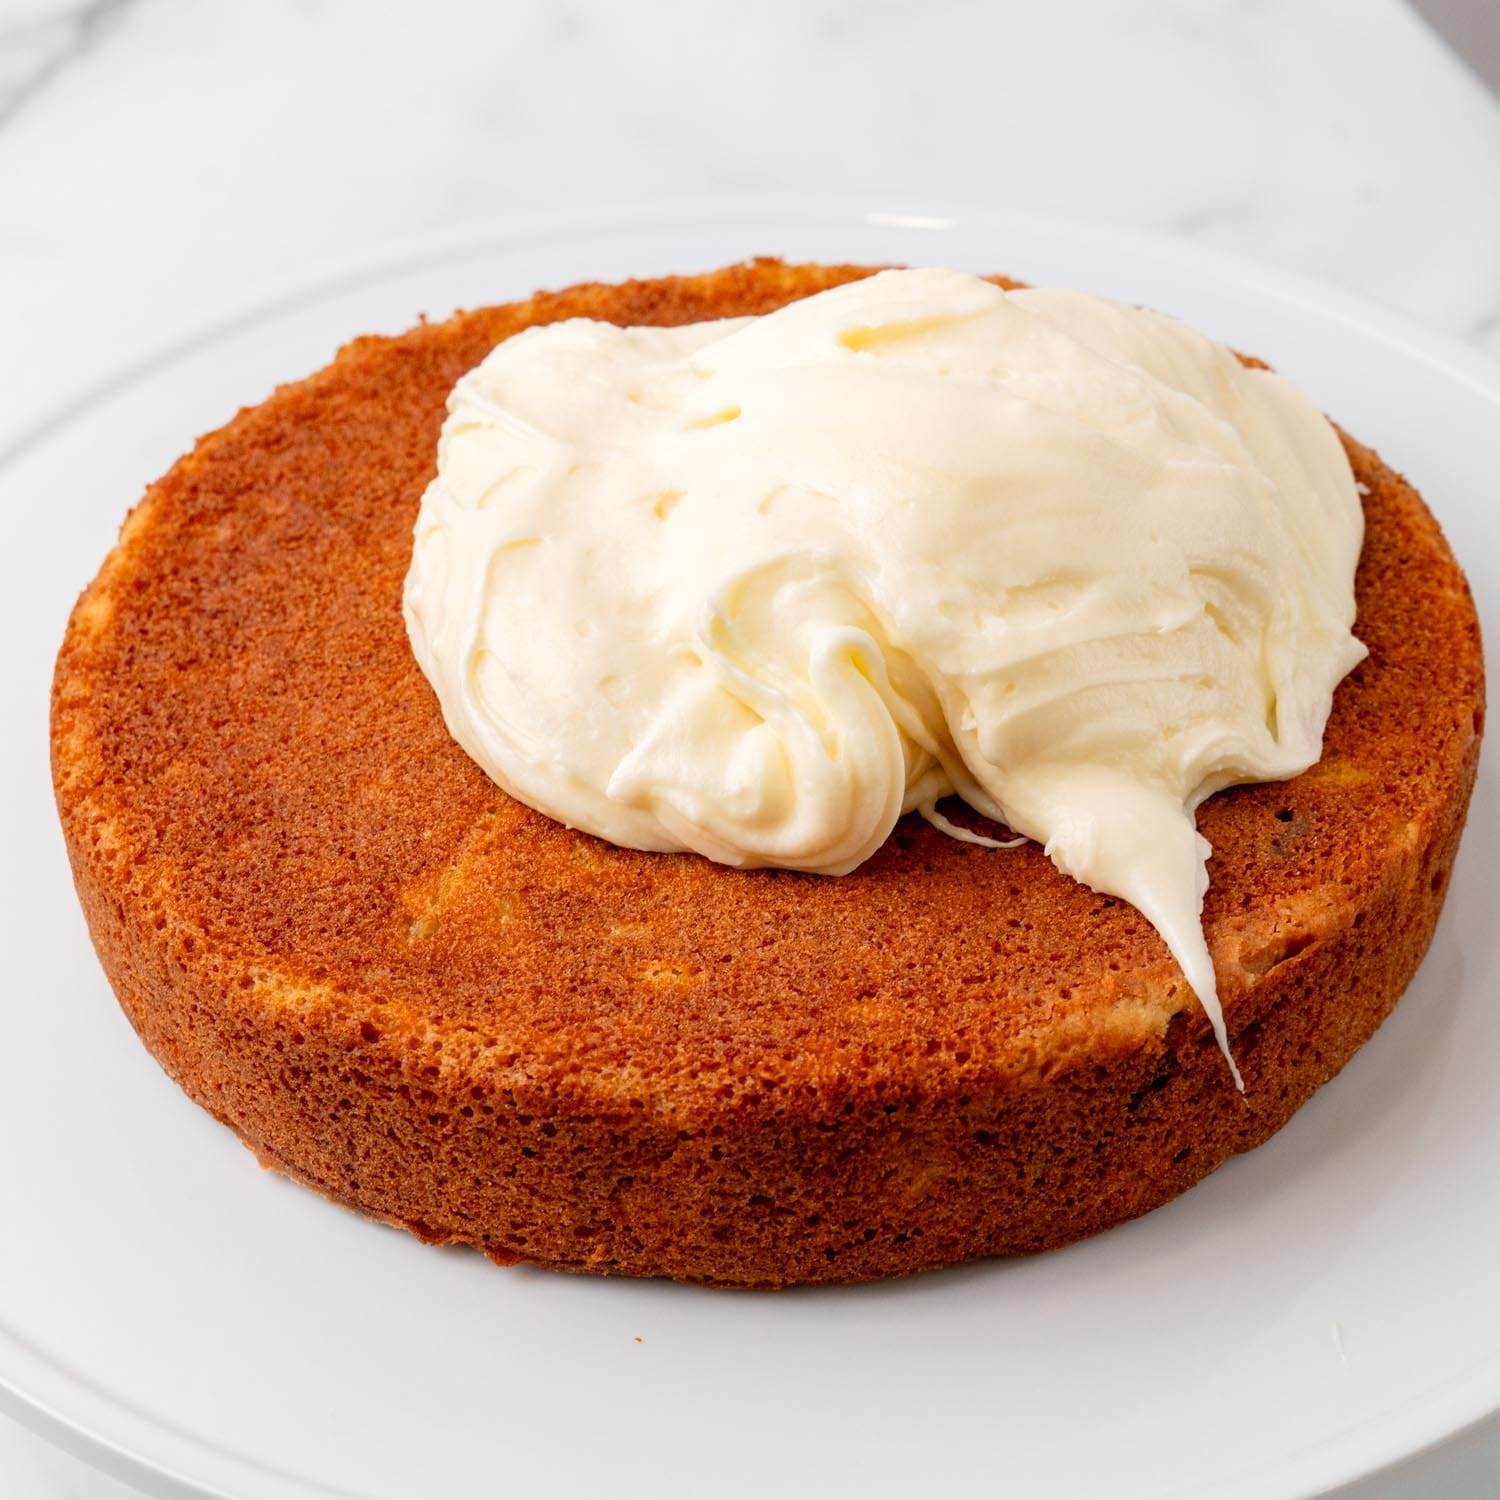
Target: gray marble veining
[[36, 47]]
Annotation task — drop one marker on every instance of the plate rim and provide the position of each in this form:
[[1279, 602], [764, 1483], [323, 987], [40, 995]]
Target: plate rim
[[58, 1395], [1432, 346]]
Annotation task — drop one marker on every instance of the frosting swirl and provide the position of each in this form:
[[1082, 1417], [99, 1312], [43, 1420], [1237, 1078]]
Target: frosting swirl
[[757, 587]]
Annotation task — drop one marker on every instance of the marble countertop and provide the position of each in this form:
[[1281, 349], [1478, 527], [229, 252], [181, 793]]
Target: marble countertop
[[163, 161]]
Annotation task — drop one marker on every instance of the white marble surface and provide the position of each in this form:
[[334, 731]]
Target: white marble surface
[[161, 160], [165, 161]]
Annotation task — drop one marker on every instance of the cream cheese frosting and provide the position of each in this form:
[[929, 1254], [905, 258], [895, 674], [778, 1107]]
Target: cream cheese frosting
[[757, 587]]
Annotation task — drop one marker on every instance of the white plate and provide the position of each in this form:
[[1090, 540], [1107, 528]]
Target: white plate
[[1311, 1313]]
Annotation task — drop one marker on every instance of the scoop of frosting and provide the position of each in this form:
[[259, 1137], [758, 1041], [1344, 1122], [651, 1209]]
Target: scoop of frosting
[[757, 587]]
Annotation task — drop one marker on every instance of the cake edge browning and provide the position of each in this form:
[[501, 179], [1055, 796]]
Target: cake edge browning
[[844, 1185], [721, 1201]]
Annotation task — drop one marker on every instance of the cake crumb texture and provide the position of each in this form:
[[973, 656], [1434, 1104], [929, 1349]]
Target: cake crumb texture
[[430, 1003]]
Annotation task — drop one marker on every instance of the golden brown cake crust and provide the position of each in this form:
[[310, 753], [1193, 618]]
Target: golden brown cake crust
[[428, 1001]]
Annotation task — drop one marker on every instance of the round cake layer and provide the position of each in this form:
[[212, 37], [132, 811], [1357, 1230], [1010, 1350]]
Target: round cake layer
[[430, 1002]]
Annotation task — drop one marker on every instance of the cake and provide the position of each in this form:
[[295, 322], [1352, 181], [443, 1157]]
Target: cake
[[429, 1002]]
